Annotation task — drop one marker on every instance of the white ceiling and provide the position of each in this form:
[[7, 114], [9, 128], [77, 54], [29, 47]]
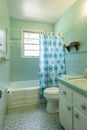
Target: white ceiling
[[38, 10]]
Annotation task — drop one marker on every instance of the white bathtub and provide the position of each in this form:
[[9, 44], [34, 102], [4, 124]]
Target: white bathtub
[[22, 93]]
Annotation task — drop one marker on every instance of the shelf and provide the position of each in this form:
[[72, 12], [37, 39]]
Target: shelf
[[72, 44], [76, 45], [67, 46]]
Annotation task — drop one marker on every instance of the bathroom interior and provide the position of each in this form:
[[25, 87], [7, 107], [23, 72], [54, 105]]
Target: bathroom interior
[[40, 91]]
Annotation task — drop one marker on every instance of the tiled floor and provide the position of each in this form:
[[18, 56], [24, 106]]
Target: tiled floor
[[31, 118]]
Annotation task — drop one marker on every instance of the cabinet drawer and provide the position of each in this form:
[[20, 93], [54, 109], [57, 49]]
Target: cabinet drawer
[[80, 102], [65, 92], [80, 120]]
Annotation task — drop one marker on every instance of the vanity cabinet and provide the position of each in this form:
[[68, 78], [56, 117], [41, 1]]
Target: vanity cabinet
[[79, 112], [80, 120], [72, 109], [65, 107]]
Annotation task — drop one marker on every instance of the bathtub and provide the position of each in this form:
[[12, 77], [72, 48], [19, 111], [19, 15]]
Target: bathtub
[[22, 93]]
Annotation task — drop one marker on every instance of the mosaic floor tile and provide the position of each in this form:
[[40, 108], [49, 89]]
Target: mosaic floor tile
[[31, 118]]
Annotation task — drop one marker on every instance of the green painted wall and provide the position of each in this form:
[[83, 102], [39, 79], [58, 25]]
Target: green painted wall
[[74, 25], [4, 65], [24, 68]]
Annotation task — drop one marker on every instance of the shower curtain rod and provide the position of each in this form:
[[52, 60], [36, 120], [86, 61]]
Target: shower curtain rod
[[36, 31], [57, 33]]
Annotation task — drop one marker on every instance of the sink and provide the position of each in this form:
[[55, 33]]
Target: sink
[[79, 81]]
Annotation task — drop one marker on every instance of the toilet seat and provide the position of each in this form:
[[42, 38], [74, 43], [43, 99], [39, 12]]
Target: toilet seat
[[52, 90]]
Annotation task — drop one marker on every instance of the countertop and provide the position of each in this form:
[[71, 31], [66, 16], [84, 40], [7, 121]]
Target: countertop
[[65, 80]]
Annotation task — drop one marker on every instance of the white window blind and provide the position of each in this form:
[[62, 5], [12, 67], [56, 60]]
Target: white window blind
[[30, 44]]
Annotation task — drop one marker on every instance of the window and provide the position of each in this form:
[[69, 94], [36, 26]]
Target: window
[[30, 44]]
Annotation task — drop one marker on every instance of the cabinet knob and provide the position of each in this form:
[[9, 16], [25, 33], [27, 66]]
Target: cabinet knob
[[69, 108], [0, 93], [64, 92], [76, 115], [83, 107], [0, 44]]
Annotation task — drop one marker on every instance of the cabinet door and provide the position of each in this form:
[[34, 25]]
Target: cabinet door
[[65, 113], [80, 120]]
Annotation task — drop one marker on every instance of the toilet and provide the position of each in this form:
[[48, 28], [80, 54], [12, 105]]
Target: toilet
[[52, 96]]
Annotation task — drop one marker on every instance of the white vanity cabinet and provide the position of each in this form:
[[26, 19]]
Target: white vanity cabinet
[[79, 112], [72, 109], [65, 107]]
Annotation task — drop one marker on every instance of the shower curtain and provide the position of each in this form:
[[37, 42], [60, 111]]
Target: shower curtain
[[52, 63]]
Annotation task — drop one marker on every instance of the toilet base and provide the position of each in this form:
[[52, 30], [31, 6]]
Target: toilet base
[[52, 107]]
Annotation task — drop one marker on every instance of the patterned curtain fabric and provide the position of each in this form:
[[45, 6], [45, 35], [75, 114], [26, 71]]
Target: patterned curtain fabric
[[52, 64]]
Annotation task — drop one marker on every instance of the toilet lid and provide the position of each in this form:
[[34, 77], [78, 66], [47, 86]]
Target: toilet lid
[[53, 90]]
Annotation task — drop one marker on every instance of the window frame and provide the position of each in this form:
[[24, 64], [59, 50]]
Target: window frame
[[22, 46]]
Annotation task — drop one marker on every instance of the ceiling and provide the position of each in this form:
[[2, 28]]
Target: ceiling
[[47, 11]]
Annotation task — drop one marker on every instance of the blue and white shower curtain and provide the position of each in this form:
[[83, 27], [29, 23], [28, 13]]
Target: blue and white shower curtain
[[52, 62]]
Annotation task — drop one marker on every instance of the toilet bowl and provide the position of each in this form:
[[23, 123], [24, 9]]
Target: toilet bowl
[[52, 95]]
